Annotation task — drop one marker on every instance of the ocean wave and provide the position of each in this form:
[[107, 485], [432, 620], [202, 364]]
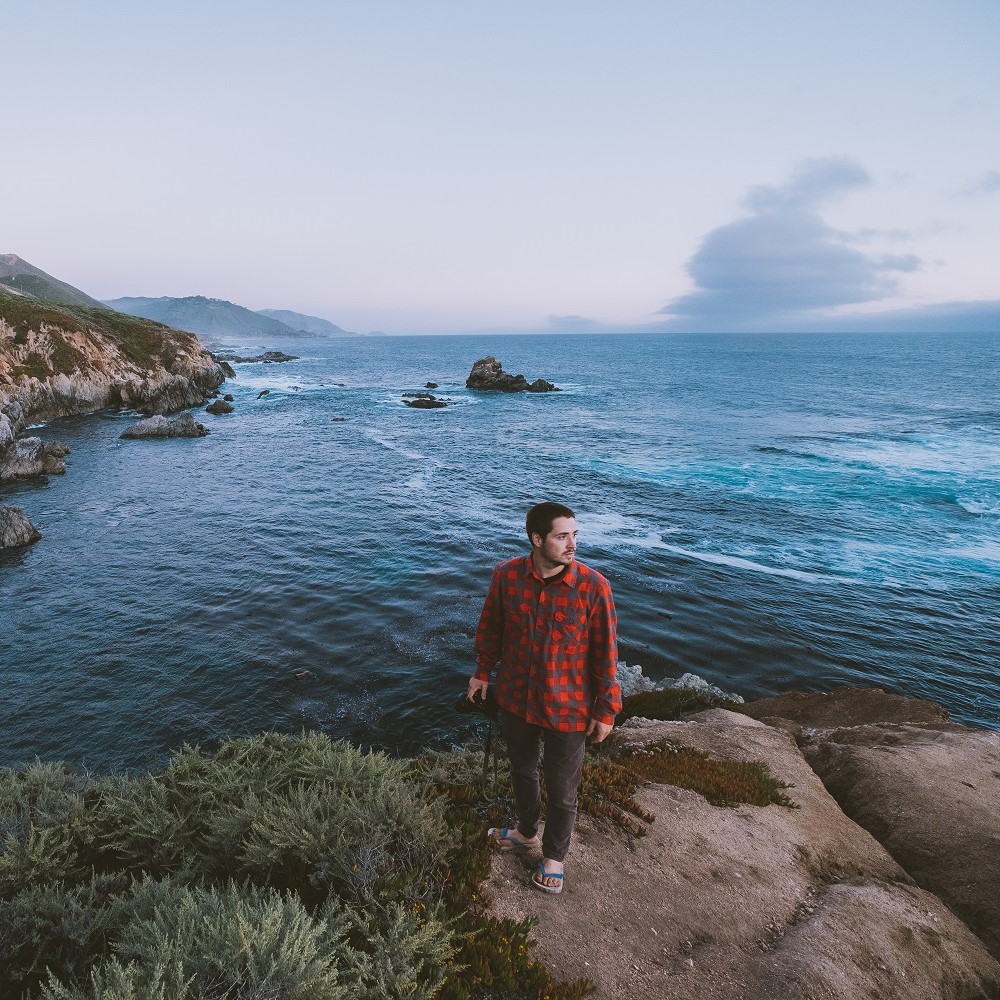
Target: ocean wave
[[792, 453], [392, 445], [737, 562], [978, 507], [419, 481]]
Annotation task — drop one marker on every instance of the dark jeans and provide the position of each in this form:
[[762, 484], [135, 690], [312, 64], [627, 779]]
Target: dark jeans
[[563, 766]]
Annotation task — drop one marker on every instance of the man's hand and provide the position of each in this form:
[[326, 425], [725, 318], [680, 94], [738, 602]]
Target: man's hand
[[596, 731], [477, 689]]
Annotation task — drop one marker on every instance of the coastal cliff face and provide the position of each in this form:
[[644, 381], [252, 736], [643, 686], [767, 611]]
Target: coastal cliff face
[[58, 361]]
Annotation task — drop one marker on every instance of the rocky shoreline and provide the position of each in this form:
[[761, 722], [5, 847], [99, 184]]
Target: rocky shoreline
[[58, 362], [883, 881]]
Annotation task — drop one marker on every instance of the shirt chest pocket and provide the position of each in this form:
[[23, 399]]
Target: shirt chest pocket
[[518, 611], [568, 627]]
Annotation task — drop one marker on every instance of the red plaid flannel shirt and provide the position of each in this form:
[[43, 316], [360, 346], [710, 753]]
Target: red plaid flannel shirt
[[556, 645]]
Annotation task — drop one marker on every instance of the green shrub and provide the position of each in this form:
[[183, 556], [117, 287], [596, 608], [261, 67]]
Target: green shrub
[[43, 821], [53, 927], [671, 703]]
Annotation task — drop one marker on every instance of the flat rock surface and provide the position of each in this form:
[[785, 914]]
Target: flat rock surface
[[845, 706], [748, 902]]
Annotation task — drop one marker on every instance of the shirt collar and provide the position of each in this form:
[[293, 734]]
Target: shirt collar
[[568, 575]]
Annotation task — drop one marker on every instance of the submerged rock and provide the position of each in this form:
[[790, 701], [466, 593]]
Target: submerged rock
[[16, 529], [488, 375], [164, 427], [423, 401], [219, 406]]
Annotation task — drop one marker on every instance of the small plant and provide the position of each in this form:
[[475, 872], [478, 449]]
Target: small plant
[[611, 779]]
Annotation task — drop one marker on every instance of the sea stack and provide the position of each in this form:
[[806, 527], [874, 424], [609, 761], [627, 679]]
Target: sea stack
[[15, 529], [488, 375]]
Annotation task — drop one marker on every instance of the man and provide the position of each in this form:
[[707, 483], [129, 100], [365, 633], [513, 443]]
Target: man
[[549, 622]]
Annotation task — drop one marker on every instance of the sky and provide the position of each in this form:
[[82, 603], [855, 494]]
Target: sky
[[442, 167]]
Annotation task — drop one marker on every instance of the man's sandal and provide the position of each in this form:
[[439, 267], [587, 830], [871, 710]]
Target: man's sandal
[[538, 883], [502, 840]]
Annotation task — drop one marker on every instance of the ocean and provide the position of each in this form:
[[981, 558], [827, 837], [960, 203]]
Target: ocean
[[774, 513]]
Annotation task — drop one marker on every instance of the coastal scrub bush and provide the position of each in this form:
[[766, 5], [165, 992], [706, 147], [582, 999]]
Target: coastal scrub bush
[[272, 868], [227, 941], [62, 930], [43, 821], [329, 857], [303, 813]]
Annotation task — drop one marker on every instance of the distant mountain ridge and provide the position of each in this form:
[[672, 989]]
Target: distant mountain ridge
[[22, 278], [220, 318], [315, 325]]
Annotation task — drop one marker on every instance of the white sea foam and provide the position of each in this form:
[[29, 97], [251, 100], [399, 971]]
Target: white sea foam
[[738, 563], [976, 506], [419, 481], [931, 453], [611, 530], [633, 681], [985, 551], [387, 442]]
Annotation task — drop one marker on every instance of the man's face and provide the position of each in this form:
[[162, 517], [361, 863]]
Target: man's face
[[559, 546]]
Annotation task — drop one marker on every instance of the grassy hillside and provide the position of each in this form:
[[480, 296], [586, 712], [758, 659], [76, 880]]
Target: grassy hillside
[[24, 278], [144, 342], [204, 316], [315, 325]]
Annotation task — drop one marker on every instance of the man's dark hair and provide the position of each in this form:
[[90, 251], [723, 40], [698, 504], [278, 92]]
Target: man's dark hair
[[540, 518]]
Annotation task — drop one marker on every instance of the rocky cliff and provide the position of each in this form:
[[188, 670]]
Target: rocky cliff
[[881, 882], [58, 360]]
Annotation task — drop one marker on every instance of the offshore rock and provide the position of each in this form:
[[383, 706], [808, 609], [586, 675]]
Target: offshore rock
[[159, 426], [488, 375], [267, 358], [16, 529], [218, 407]]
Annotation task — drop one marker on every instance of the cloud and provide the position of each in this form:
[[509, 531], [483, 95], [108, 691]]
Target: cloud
[[988, 183], [783, 260]]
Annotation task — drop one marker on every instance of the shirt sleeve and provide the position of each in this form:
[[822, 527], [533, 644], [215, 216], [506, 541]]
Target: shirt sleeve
[[603, 658], [489, 634]]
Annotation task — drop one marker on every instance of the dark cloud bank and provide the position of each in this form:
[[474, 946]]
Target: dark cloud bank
[[782, 267]]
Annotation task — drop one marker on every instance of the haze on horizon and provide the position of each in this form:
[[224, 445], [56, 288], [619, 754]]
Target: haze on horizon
[[455, 167]]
